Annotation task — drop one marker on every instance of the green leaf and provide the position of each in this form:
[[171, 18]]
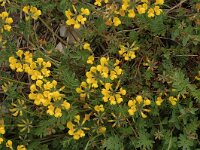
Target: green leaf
[[113, 143], [144, 141], [184, 142]]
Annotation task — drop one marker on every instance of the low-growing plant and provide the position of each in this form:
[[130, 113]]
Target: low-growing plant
[[99, 74]]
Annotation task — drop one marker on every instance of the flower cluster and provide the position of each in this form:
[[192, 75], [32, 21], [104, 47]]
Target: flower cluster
[[114, 96], [45, 93], [125, 8], [5, 22], [107, 69], [31, 12], [139, 104], [128, 52], [128, 8], [152, 11], [42, 91], [111, 15], [24, 63], [97, 74], [76, 19], [84, 90], [76, 129]]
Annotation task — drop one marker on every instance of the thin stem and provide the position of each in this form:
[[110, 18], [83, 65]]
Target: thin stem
[[177, 5], [47, 26], [7, 79]]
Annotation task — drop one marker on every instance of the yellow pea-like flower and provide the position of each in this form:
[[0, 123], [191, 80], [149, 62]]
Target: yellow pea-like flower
[[116, 21], [159, 2], [131, 13], [9, 20], [85, 11]]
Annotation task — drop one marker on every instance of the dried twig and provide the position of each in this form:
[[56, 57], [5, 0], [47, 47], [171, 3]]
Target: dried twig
[[177, 5]]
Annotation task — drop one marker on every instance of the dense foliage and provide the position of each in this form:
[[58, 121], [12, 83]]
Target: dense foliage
[[99, 74]]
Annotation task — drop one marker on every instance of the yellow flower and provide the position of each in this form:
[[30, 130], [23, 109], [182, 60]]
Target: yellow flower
[[77, 131], [143, 115], [58, 112], [85, 11], [2, 2], [77, 118], [81, 19], [2, 129], [39, 83], [21, 147], [159, 2], [56, 95], [157, 10], [19, 67], [104, 61], [131, 13], [70, 22], [68, 13], [146, 102], [99, 108], [141, 9], [31, 11], [19, 53], [66, 105], [151, 13], [4, 15], [9, 144], [7, 27], [125, 5], [77, 25], [26, 9], [173, 100], [50, 110], [91, 77], [90, 59], [139, 98], [9, 20], [1, 140], [138, 104], [70, 125], [113, 96], [101, 130], [97, 2], [159, 101], [144, 1], [86, 46], [128, 52], [116, 21], [132, 105]]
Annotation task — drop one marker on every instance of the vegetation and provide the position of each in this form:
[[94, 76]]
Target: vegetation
[[99, 74]]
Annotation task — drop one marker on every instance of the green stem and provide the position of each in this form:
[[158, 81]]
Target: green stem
[[47, 26], [7, 79]]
